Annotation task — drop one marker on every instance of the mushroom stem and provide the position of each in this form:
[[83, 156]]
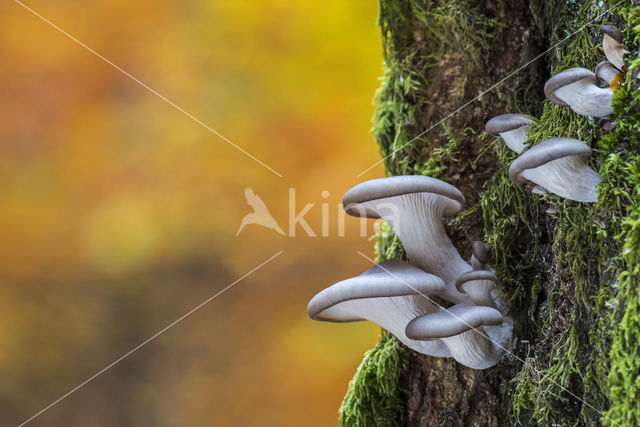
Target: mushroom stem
[[433, 251], [414, 207]]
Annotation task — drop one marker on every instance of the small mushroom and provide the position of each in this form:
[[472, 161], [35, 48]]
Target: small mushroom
[[559, 166], [612, 45], [478, 284], [476, 336], [578, 89], [481, 253], [389, 294], [609, 74], [414, 206], [513, 129]]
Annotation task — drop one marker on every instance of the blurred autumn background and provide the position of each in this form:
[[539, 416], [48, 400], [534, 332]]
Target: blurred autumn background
[[118, 213]]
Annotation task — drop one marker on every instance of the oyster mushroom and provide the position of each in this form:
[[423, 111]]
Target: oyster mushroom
[[609, 74], [513, 129], [389, 294], [578, 89], [478, 284], [612, 45], [559, 166], [414, 206], [476, 336], [480, 257]]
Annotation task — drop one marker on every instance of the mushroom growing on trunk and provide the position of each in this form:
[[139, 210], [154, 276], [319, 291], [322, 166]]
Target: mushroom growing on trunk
[[480, 257], [578, 89], [414, 206], [513, 128], [609, 74], [478, 284], [476, 336], [389, 294], [559, 166], [612, 45]]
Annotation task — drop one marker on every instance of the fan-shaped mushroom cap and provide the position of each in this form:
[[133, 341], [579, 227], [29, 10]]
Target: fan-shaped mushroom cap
[[612, 45], [389, 294], [559, 166], [476, 336], [481, 254], [478, 284], [578, 89], [414, 206], [513, 129], [609, 74]]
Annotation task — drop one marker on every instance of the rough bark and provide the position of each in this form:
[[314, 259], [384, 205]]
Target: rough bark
[[569, 269]]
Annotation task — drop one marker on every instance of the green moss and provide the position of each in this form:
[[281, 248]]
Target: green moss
[[415, 35], [374, 397]]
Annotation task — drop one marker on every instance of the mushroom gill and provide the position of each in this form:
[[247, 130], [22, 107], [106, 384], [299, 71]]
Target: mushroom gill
[[513, 128], [578, 89], [476, 336], [559, 166]]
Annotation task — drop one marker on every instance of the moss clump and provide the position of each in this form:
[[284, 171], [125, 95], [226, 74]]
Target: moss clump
[[416, 34], [374, 397]]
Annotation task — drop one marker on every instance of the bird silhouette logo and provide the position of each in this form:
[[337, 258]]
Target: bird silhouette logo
[[260, 214]]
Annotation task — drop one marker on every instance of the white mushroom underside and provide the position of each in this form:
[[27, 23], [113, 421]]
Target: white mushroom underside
[[568, 177], [417, 220], [480, 292], [476, 351], [516, 139], [613, 51], [608, 74], [587, 99], [473, 349], [392, 314]]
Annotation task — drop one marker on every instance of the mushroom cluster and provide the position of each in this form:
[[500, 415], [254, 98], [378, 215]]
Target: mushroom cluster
[[559, 165], [579, 89], [437, 304]]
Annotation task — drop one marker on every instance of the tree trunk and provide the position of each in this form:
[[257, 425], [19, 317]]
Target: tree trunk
[[570, 270]]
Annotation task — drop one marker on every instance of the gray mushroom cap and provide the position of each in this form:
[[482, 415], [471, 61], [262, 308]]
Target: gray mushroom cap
[[507, 122], [381, 188], [414, 206], [389, 294], [559, 166], [562, 79], [578, 89], [481, 253], [513, 129], [479, 284], [391, 278], [612, 31], [452, 321], [475, 275], [476, 336]]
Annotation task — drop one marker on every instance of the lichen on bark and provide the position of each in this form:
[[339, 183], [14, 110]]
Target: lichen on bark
[[570, 270]]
